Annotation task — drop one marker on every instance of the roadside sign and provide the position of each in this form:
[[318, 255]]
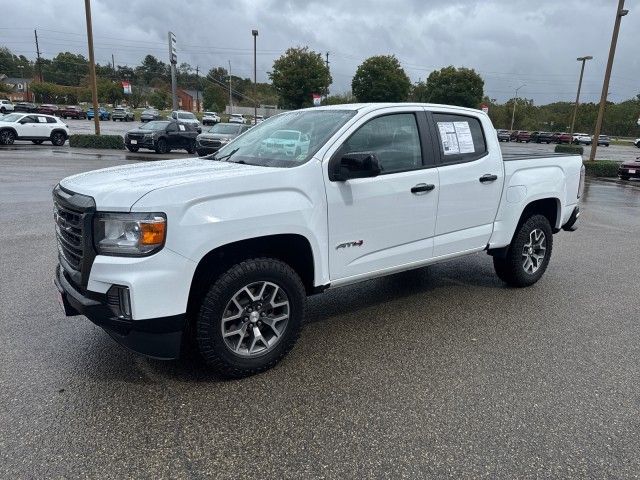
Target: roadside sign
[[126, 88], [316, 99], [173, 48], [485, 108]]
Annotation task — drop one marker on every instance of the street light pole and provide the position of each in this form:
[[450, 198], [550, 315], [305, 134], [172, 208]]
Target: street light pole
[[607, 75], [92, 67], [575, 108], [255, 104], [515, 100]]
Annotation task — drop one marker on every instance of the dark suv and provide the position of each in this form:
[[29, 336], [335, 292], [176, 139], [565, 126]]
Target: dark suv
[[162, 136], [542, 137], [210, 141]]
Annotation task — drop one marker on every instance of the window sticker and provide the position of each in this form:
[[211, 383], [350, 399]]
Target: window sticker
[[456, 138], [181, 127], [42, 119]]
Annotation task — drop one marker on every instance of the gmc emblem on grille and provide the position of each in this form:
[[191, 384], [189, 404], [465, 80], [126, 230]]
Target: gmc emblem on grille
[[357, 243]]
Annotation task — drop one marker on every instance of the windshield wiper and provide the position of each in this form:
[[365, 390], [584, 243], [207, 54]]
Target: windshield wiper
[[224, 157]]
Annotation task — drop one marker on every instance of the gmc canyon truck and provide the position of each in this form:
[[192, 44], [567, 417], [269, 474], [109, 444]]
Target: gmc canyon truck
[[218, 253]]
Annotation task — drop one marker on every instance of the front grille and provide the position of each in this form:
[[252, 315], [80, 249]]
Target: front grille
[[136, 136], [69, 230], [210, 143], [73, 215]]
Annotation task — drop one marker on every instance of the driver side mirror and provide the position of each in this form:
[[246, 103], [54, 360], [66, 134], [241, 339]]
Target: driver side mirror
[[354, 165]]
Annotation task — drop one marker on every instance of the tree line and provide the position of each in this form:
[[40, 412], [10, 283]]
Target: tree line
[[301, 72]]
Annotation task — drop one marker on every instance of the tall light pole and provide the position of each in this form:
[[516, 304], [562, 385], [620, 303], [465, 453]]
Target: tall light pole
[[230, 97], [605, 85], [515, 100], [92, 67], [575, 108], [255, 104]]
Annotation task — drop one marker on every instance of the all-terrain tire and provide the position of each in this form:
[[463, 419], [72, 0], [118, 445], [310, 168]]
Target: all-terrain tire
[[511, 269], [210, 342]]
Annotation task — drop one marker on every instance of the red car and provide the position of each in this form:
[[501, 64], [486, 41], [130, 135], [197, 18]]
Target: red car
[[71, 111], [630, 168], [521, 136], [48, 109], [562, 138]]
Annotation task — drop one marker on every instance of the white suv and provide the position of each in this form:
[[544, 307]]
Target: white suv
[[183, 116], [237, 118], [6, 106], [33, 126]]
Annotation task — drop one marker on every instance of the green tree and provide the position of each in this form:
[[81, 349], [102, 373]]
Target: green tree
[[297, 74], [160, 99], [381, 79], [214, 98], [453, 86], [66, 68]]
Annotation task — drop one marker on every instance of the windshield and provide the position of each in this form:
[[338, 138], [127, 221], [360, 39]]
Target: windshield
[[313, 128], [12, 117], [186, 116], [225, 128], [150, 112], [211, 114], [155, 126]]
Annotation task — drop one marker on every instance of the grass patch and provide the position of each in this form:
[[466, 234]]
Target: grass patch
[[602, 168], [570, 149], [112, 142]]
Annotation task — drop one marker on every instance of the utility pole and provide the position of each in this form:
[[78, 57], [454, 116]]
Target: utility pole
[[255, 70], [198, 88], [575, 108], [35, 32], [515, 100], [230, 97], [113, 63], [92, 67], [607, 75], [173, 59], [326, 89]]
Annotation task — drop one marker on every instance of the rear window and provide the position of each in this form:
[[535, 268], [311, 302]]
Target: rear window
[[461, 138]]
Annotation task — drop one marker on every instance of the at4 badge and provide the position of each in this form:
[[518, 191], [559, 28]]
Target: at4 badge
[[357, 243]]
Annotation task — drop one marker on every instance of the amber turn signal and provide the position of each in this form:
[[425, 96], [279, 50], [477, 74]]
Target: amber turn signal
[[153, 233]]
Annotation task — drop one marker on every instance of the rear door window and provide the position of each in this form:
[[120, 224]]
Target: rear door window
[[460, 137]]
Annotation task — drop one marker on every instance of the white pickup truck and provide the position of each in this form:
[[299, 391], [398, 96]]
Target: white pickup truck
[[219, 253]]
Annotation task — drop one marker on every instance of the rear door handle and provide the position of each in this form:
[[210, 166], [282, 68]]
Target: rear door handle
[[487, 177], [422, 188]]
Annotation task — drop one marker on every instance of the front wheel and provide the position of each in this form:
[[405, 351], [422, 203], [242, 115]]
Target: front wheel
[[250, 317], [191, 148], [161, 146], [58, 139], [528, 255], [7, 137]]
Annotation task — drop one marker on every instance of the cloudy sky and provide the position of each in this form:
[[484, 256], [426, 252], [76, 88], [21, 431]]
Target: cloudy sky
[[510, 43]]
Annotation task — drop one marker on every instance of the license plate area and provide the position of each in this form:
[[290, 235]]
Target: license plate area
[[134, 142], [632, 172]]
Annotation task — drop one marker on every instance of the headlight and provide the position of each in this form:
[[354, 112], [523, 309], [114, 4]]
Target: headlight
[[129, 234], [148, 135]]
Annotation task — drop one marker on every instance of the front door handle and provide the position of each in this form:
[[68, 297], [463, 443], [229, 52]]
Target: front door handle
[[422, 188], [487, 177]]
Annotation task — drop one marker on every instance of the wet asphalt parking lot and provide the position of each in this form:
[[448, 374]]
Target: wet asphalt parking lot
[[438, 373]]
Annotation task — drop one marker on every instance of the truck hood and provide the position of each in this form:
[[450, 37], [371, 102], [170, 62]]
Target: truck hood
[[118, 188]]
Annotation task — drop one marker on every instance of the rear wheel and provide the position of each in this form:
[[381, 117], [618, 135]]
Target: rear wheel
[[250, 317], [528, 255], [58, 139], [191, 149], [7, 137]]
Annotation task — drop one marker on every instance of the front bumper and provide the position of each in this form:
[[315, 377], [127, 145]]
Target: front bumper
[[626, 172], [155, 337], [140, 143]]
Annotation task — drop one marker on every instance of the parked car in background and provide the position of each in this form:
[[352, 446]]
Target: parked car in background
[[183, 116], [576, 135], [292, 143], [32, 126], [258, 119], [210, 141], [26, 107], [149, 115], [6, 106], [48, 109], [103, 113], [210, 118], [542, 137], [521, 136], [636, 142], [123, 114], [237, 118], [504, 135], [629, 169], [71, 111], [219, 254], [563, 137], [604, 140], [162, 136], [582, 139]]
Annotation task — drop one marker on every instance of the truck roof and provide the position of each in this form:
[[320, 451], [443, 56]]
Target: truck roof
[[367, 107]]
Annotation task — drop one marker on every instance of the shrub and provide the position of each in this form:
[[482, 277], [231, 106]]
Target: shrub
[[571, 149], [115, 142], [602, 168]]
